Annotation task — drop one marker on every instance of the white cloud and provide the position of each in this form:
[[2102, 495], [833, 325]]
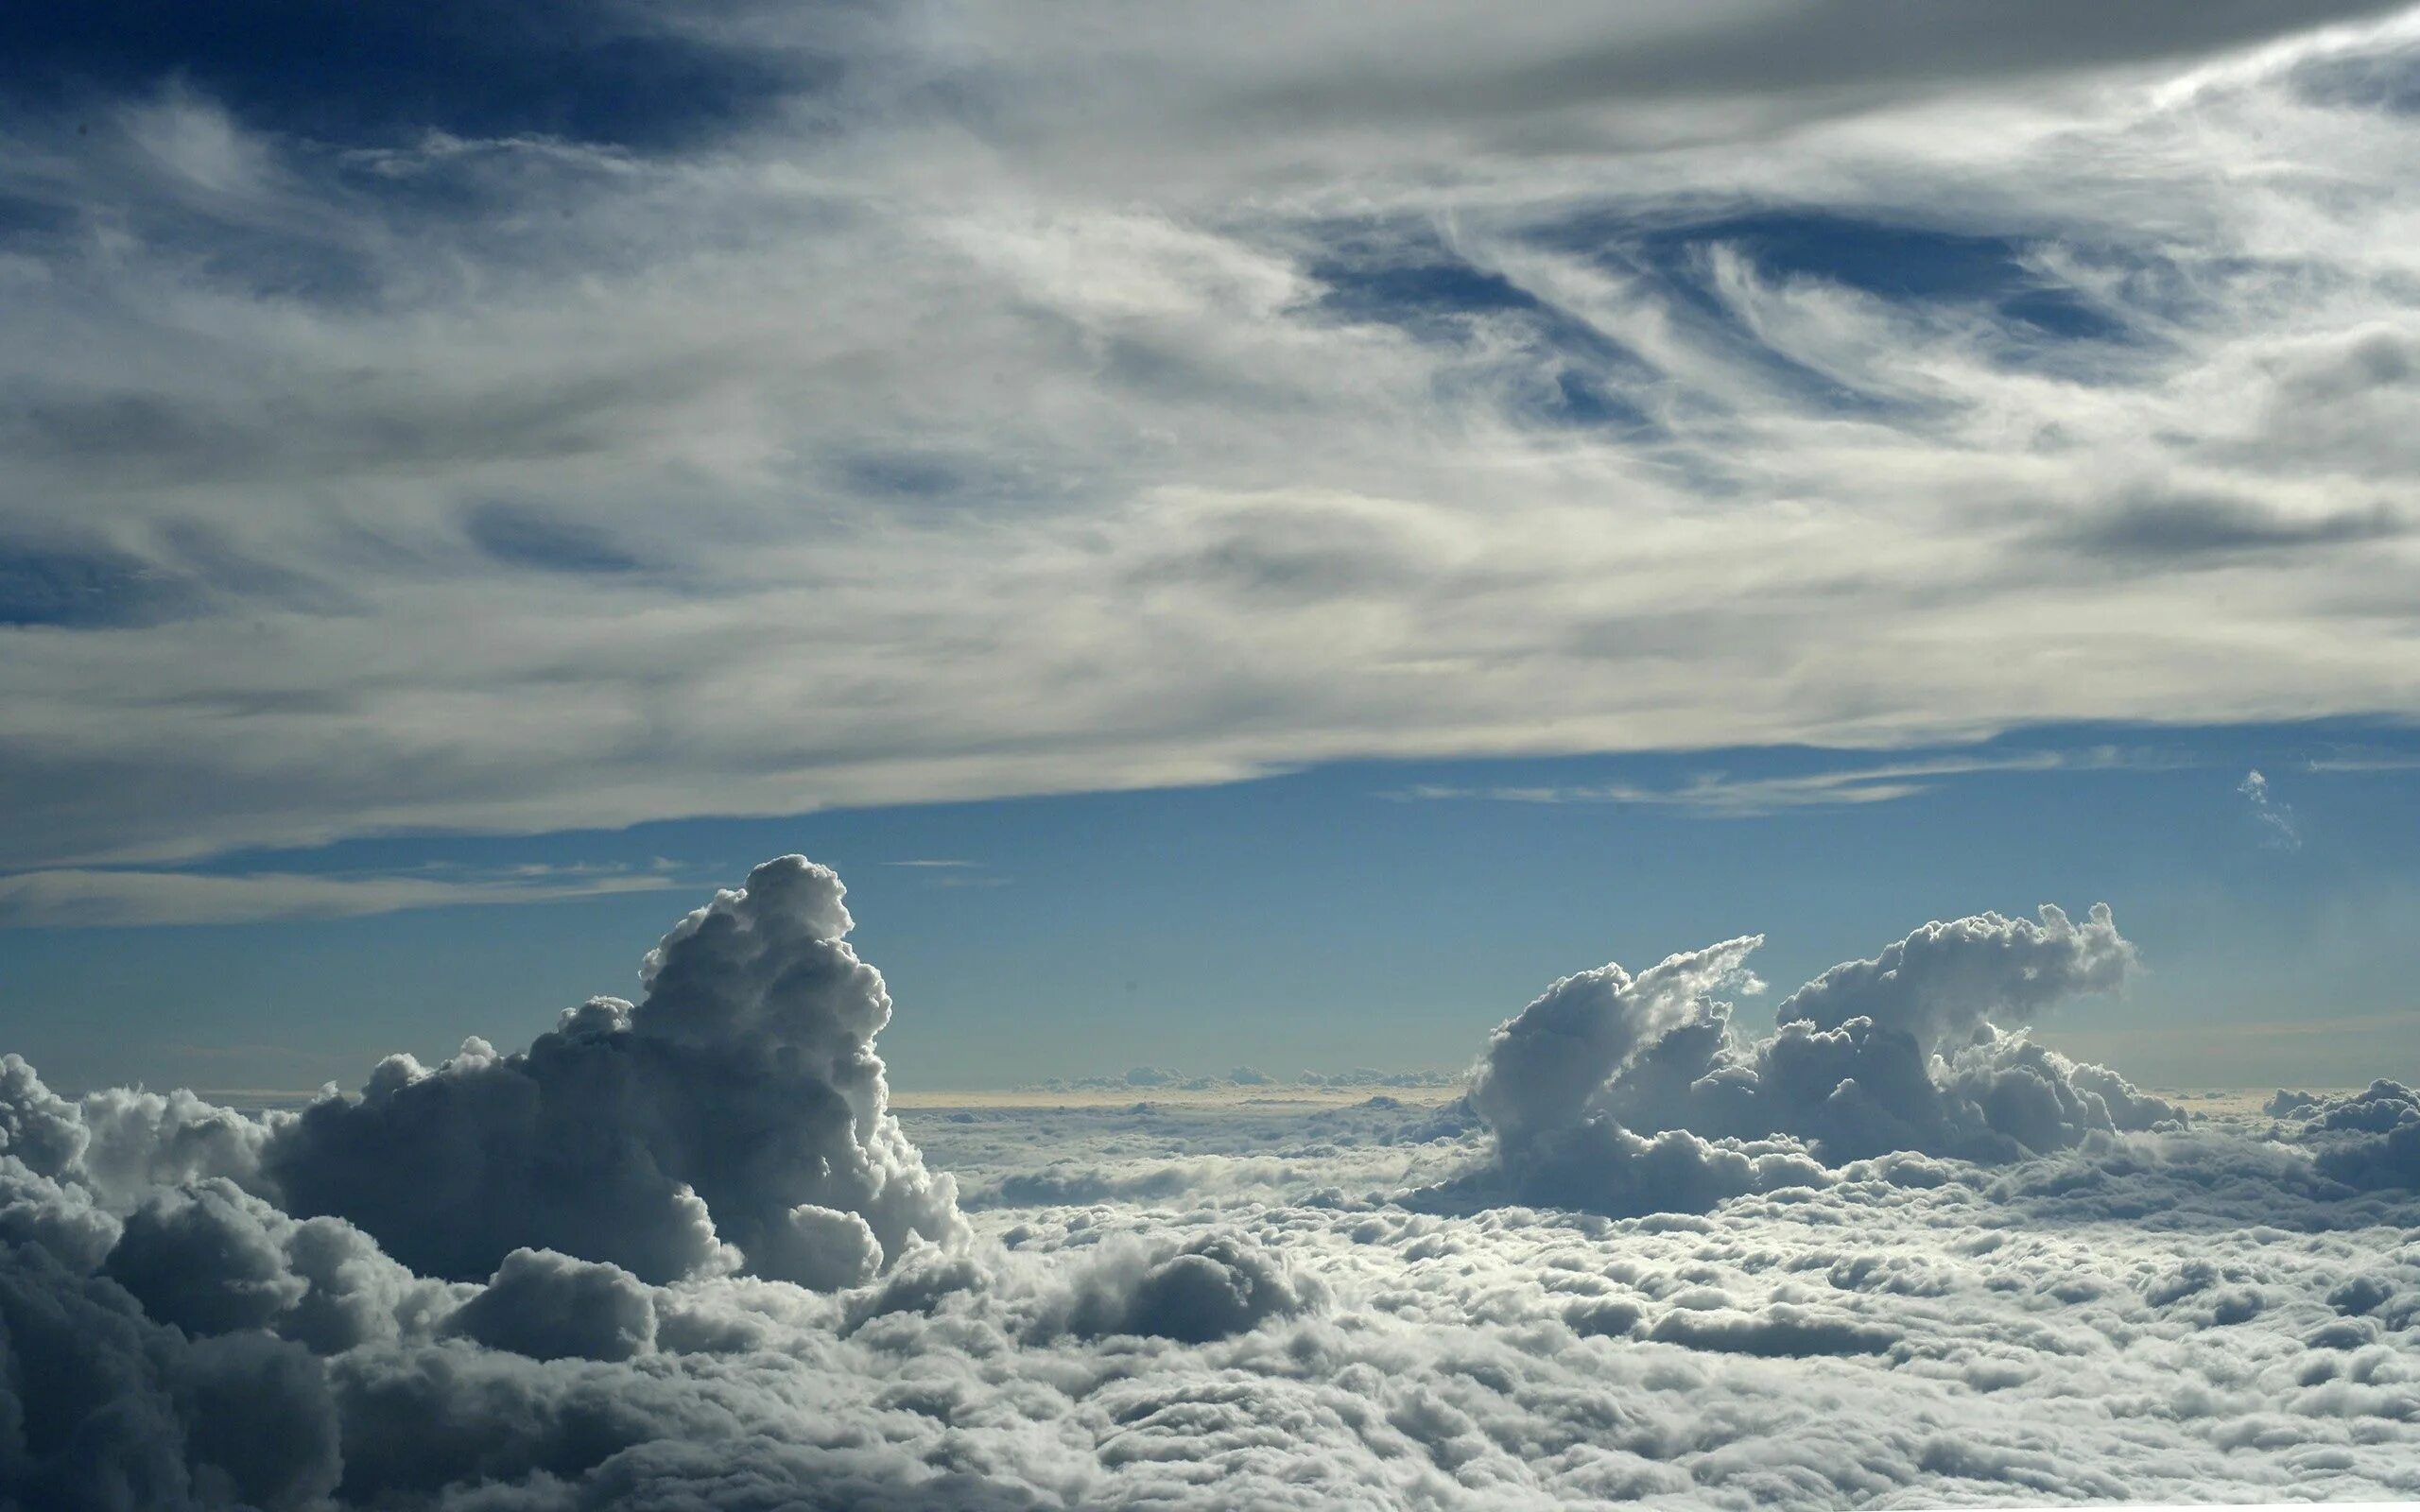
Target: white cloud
[[2275, 818], [735, 1118], [1238, 1305], [1458, 400], [1623, 1096]]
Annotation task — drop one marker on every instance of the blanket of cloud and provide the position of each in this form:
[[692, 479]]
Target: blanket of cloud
[[680, 1254], [433, 415]]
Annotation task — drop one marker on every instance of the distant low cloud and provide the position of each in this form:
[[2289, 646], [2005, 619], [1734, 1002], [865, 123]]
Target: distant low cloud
[[2275, 819], [1626, 1095], [2369, 1140]]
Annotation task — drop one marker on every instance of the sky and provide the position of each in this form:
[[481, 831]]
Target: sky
[[1450, 513], [1030, 756], [1347, 916]]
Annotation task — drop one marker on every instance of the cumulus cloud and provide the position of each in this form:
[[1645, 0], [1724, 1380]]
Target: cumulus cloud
[[736, 1115], [551, 1307], [1895, 1053], [1941, 984], [1211, 1287], [2369, 1139], [106, 1406], [1545, 1066]]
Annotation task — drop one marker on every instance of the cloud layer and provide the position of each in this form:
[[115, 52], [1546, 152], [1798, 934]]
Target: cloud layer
[[680, 1254]]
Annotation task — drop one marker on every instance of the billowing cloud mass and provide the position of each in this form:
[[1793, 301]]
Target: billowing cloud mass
[[737, 1117], [682, 1254], [1895, 1054], [1543, 1067], [2368, 1139], [1942, 985]]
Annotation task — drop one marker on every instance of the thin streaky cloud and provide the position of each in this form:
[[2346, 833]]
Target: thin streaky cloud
[[2354, 765], [1715, 795], [82, 897]]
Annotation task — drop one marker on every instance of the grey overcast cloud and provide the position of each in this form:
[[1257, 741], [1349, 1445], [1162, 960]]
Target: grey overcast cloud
[[1256, 536]]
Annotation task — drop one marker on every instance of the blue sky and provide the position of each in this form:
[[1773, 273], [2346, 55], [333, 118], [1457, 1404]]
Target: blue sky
[[1291, 518], [1369, 914]]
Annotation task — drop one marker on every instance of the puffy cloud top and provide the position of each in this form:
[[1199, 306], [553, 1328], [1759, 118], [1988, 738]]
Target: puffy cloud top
[[1544, 1065], [2370, 1139], [1942, 984], [737, 1117], [1895, 1052], [1214, 1287]]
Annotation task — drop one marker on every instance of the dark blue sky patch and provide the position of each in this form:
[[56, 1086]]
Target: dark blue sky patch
[[1582, 401], [521, 536], [1894, 262], [1412, 281], [2387, 82], [1410, 294], [80, 588], [2061, 312], [1897, 263], [363, 71], [901, 475], [2196, 529], [21, 217], [1569, 373], [2038, 317], [1676, 267]]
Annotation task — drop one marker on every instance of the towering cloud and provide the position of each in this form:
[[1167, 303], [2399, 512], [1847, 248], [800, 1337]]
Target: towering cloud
[[1546, 1065], [1895, 1052], [735, 1118]]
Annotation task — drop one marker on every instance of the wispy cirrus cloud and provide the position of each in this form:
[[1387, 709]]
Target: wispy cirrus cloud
[[943, 871], [401, 447], [1718, 795]]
